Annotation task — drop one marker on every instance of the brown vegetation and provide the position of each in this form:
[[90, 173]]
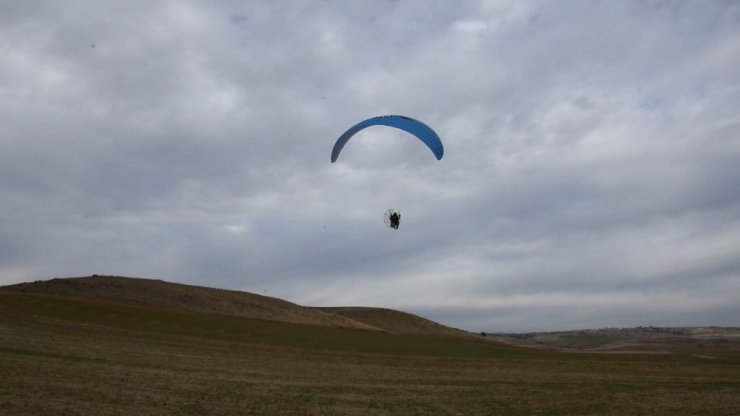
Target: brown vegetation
[[71, 356], [647, 339], [149, 292], [390, 320], [158, 293]]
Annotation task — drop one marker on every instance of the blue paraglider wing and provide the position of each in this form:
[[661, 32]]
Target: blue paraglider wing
[[415, 127]]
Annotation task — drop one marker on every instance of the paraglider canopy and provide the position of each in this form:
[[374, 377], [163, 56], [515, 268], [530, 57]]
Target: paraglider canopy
[[415, 127]]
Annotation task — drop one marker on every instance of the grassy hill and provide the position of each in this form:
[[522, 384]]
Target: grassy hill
[[109, 346], [161, 294], [158, 293], [74, 312], [645, 338], [392, 321]]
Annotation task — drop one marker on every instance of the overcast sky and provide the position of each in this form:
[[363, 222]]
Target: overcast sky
[[591, 174]]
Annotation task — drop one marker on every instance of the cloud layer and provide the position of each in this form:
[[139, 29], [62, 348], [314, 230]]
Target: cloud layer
[[590, 177]]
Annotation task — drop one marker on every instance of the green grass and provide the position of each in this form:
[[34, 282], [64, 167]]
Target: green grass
[[64, 356], [231, 328]]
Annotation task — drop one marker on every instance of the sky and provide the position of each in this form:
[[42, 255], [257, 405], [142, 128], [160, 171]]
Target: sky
[[591, 175]]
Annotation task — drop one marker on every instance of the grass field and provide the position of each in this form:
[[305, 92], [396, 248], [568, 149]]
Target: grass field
[[66, 356]]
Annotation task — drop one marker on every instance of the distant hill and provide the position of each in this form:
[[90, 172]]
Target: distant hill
[[158, 293], [638, 339]]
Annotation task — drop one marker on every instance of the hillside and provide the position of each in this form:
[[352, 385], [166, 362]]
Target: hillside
[[74, 356], [111, 346], [158, 293], [643, 338], [390, 320]]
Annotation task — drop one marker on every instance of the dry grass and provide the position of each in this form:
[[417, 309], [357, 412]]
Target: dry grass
[[696, 340], [149, 292], [73, 357], [393, 321]]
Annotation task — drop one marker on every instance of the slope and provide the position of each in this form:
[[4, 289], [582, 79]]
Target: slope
[[176, 296], [158, 293], [393, 321]]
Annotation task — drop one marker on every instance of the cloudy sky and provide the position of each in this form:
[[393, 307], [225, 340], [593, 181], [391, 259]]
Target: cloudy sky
[[591, 174]]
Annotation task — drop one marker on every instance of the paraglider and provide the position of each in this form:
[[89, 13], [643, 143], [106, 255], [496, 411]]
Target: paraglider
[[392, 218], [420, 130]]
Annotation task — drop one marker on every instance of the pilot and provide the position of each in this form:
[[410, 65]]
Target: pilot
[[395, 220]]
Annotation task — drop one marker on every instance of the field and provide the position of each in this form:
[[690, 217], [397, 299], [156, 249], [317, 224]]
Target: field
[[73, 356]]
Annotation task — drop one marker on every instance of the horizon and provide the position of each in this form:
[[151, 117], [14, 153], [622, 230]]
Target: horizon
[[472, 331]]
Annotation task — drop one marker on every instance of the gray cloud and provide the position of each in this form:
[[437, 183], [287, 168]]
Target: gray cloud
[[592, 154]]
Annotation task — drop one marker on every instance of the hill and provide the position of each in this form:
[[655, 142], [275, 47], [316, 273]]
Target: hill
[[643, 338], [162, 294], [390, 320], [74, 355]]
